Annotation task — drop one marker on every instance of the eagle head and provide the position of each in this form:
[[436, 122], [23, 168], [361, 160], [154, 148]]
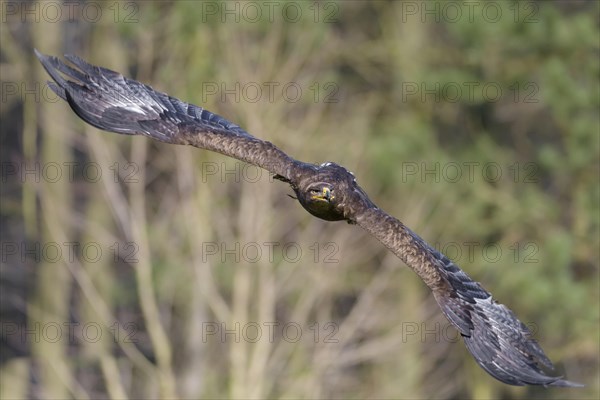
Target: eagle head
[[329, 192]]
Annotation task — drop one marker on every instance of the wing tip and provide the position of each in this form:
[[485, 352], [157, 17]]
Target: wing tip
[[498, 341], [559, 382]]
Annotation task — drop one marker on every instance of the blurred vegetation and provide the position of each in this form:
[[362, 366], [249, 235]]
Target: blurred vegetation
[[390, 90]]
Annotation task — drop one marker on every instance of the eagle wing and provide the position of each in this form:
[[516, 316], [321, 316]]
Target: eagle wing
[[500, 343], [109, 101]]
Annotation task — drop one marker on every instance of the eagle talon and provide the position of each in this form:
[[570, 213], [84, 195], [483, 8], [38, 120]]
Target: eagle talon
[[281, 178]]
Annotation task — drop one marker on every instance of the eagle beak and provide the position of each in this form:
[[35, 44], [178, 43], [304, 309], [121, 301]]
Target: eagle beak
[[325, 195]]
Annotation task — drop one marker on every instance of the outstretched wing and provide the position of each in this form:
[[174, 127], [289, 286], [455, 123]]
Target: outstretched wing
[[109, 101], [501, 344]]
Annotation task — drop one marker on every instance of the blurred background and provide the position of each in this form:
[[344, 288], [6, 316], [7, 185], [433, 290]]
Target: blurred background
[[135, 269]]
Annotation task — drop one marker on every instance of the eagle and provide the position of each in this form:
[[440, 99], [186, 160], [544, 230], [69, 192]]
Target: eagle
[[500, 343]]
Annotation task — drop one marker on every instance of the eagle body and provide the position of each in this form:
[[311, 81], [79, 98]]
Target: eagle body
[[500, 343]]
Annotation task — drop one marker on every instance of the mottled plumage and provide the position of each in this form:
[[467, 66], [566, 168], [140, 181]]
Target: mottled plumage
[[500, 343]]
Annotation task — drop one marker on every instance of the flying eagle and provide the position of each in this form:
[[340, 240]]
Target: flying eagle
[[501, 344]]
